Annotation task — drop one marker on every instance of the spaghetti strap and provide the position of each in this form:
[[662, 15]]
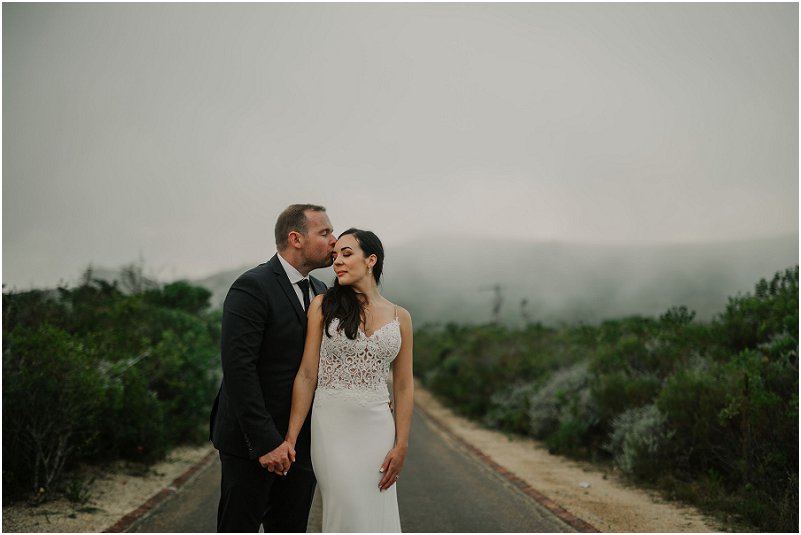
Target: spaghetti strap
[[396, 312]]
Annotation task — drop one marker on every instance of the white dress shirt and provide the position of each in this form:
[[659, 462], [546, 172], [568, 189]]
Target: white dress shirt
[[294, 278]]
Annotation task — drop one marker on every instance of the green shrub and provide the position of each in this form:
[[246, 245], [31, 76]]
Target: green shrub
[[131, 423], [578, 415], [615, 392], [751, 320], [638, 442], [472, 368], [562, 393], [765, 452], [509, 408], [180, 295], [178, 374], [52, 391], [691, 401], [572, 436]]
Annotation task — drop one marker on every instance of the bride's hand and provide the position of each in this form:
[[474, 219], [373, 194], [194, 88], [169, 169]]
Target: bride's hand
[[391, 468], [291, 446], [279, 460]]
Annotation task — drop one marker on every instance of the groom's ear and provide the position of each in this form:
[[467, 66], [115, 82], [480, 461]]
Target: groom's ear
[[293, 239]]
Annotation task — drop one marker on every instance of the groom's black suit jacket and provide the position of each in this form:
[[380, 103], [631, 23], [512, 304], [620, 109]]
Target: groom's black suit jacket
[[263, 332]]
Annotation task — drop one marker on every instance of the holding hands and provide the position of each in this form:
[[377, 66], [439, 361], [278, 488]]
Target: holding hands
[[279, 460]]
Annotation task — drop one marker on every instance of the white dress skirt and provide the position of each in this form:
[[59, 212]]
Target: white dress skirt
[[352, 430]]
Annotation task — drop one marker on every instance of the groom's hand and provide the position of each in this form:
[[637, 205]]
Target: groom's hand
[[279, 460]]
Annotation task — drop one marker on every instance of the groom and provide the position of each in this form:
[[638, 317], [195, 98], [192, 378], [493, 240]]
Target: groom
[[263, 332]]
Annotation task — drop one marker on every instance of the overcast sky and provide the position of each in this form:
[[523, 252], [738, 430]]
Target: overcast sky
[[178, 132]]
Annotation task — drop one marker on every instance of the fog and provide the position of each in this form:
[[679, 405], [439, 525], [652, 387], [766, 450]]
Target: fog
[[577, 283], [584, 136], [441, 281]]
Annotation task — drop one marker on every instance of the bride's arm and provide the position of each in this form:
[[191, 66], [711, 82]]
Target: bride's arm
[[403, 393], [306, 379]]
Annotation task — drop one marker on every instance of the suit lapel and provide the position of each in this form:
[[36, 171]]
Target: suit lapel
[[286, 286]]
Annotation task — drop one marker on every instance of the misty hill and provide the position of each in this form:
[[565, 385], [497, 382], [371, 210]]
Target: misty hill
[[441, 280]]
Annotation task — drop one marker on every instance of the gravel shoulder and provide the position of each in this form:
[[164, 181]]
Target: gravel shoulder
[[602, 499]]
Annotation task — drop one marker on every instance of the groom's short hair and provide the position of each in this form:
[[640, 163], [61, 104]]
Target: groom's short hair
[[292, 218]]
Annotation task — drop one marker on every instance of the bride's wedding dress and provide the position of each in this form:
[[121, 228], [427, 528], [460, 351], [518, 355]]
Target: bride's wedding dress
[[352, 429]]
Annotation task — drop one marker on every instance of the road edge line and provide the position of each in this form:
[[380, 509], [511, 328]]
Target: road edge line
[[124, 523], [567, 517]]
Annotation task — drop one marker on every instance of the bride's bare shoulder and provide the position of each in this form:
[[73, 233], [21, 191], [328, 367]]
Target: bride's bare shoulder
[[403, 314]]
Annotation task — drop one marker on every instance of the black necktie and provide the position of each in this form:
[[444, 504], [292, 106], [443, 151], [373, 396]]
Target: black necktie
[[304, 289]]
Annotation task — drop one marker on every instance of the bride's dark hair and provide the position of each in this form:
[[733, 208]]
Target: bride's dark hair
[[343, 302]]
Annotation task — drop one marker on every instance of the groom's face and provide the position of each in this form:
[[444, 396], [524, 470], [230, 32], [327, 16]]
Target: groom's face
[[319, 241]]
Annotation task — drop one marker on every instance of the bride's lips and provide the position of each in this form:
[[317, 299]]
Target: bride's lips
[[340, 273]]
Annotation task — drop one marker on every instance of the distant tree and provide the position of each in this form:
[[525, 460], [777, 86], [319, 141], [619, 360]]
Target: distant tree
[[133, 279], [497, 302], [524, 311]]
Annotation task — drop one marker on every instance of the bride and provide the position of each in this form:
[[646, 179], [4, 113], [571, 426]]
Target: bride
[[355, 336]]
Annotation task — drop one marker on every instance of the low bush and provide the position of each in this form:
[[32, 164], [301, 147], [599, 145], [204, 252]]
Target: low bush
[[557, 398], [639, 440], [52, 392], [509, 409]]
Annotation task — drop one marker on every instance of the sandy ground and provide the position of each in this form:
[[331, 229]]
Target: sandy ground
[[587, 492], [116, 491]]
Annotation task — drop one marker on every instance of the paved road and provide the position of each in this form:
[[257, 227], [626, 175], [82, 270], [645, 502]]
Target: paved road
[[443, 489]]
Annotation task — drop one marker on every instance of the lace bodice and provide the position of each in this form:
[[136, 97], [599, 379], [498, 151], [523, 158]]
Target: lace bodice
[[357, 368]]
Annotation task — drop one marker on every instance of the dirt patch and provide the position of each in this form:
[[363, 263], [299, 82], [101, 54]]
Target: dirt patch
[[116, 491], [602, 499]]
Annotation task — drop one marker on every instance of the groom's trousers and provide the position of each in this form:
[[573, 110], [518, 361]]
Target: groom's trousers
[[251, 496]]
